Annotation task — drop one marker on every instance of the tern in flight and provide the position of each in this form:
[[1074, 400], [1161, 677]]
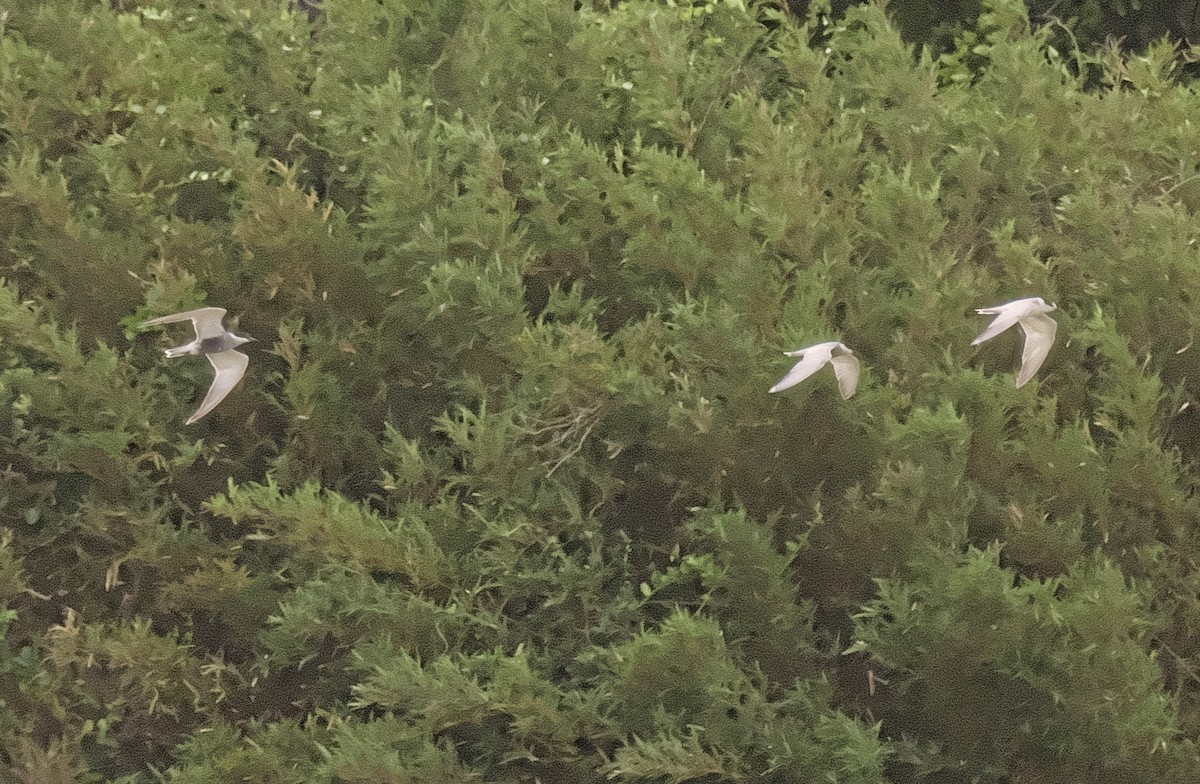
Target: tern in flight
[[1039, 330], [845, 366], [216, 343]]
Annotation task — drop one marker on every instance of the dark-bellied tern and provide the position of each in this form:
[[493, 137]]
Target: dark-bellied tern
[[216, 343]]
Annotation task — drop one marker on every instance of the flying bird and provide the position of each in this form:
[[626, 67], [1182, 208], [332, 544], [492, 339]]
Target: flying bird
[[216, 343], [1039, 330], [845, 366]]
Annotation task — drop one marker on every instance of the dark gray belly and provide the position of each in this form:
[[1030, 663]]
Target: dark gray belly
[[212, 345]]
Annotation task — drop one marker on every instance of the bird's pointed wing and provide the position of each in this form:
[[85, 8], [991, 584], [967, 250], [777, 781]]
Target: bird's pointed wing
[[813, 361], [846, 368], [230, 366], [1039, 331], [206, 321], [1005, 317]]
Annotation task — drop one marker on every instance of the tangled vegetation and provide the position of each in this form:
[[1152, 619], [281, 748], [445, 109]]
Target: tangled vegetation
[[503, 497]]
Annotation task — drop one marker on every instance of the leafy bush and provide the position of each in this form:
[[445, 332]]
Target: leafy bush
[[503, 496]]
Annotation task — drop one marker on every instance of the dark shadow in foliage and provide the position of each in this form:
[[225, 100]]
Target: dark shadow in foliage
[[1135, 25]]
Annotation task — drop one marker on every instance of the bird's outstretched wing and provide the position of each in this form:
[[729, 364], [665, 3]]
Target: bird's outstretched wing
[[230, 366], [814, 359], [846, 368], [1039, 331], [1006, 316], [206, 321]]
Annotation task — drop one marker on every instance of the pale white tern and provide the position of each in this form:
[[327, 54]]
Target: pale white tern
[[1039, 331], [845, 366]]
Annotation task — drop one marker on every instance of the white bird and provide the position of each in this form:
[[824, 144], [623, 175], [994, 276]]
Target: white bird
[[845, 366], [216, 343], [1039, 330]]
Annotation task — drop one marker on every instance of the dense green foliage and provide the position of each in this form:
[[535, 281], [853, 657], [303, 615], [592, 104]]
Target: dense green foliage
[[503, 497]]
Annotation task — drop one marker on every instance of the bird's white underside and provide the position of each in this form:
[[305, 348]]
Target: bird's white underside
[[1039, 330], [845, 367]]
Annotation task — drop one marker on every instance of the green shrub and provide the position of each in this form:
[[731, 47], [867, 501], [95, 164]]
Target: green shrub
[[503, 496]]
